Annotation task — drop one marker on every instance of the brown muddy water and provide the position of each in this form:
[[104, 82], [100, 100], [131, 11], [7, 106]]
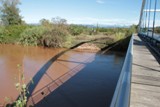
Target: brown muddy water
[[33, 59]]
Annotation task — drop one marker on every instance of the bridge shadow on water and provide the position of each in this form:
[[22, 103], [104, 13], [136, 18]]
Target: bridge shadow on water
[[93, 86], [45, 67]]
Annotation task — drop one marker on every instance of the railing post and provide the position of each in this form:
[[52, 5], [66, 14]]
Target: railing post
[[154, 18], [141, 15]]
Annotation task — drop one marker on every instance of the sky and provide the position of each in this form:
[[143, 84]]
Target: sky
[[105, 12]]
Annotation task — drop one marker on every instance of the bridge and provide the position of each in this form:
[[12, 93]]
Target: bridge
[[145, 83], [137, 86]]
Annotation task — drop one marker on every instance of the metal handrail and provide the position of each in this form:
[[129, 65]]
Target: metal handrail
[[156, 36], [121, 96]]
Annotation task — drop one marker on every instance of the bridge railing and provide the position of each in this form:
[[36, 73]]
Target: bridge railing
[[151, 35], [152, 38], [121, 96]]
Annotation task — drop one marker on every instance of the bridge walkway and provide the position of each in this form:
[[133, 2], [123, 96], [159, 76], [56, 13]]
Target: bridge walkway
[[145, 85]]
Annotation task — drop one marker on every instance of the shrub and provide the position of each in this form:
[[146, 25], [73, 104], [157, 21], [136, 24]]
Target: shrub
[[54, 38], [68, 41], [32, 36], [12, 33], [1, 34], [119, 36], [76, 29]]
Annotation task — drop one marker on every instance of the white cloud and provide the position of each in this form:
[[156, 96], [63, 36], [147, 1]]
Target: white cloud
[[100, 1], [103, 21]]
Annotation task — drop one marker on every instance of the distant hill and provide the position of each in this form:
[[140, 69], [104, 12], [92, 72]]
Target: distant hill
[[93, 26], [103, 26]]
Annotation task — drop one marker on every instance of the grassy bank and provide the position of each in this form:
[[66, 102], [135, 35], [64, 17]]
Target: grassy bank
[[59, 34]]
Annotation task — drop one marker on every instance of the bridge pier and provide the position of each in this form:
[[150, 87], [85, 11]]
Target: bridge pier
[[145, 84]]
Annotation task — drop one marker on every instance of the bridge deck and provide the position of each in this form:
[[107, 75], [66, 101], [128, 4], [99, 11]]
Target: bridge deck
[[145, 86]]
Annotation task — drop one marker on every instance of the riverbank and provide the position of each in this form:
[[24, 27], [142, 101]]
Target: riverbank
[[59, 35]]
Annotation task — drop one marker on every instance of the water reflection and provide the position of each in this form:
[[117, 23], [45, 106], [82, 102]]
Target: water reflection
[[93, 86], [34, 58]]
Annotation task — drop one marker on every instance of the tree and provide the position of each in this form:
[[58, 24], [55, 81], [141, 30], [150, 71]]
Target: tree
[[1, 22], [59, 21], [45, 22], [134, 28], [9, 12]]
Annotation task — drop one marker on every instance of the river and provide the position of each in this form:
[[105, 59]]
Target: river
[[33, 59]]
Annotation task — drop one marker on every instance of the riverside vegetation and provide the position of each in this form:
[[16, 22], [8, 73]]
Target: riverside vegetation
[[49, 33], [57, 33]]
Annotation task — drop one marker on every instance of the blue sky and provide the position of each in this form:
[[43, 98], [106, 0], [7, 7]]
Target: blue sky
[[107, 12]]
